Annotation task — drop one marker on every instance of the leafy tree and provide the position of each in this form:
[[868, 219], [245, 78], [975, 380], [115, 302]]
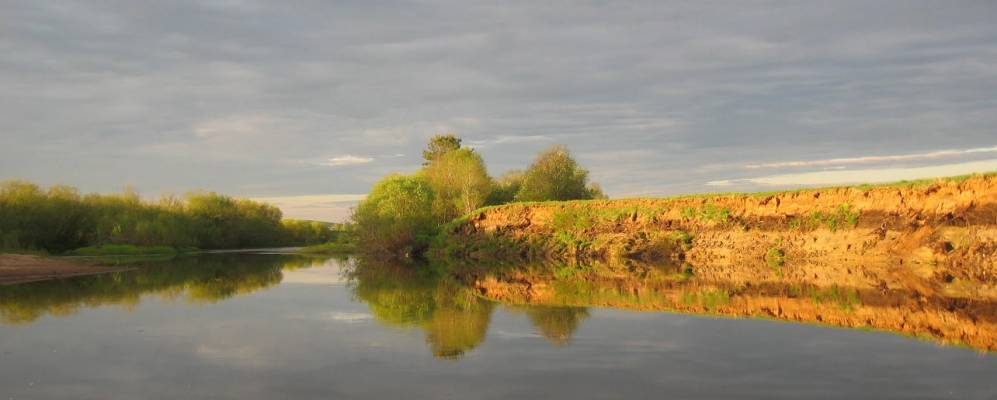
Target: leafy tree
[[60, 219], [460, 183], [554, 175], [505, 188], [396, 217], [440, 145]]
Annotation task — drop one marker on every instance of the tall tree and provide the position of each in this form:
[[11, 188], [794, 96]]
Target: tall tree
[[554, 175], [460, 183], [440, 145]]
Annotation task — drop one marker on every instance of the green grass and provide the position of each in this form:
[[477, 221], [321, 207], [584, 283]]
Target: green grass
[[684, 238], [329, 248], [707, 212], [840, 217], [126, 250], [775, 257]]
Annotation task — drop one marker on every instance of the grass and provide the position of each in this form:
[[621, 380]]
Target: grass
[[707, 212], [684, 238], [126, 250], [775, 257], [840, 217]]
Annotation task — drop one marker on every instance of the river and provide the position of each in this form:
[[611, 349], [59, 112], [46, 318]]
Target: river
[[270, 326]]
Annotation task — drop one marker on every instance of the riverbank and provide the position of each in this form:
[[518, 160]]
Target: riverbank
[[22, 268], [916, 258]]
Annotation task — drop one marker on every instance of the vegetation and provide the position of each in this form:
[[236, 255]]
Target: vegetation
[[60, 219], [404, 212], [707, 212], [840, 217], [554, 175], [397, 216], [124, 250], [459, 181], [775, 257]]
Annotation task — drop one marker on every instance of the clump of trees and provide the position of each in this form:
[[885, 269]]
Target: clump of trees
[[404, 212], [60, 219]]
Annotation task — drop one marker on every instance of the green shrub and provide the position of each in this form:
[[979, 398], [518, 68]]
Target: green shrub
[[397, 216]]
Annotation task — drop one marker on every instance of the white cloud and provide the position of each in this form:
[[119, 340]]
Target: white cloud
[[508, 139], [232, 127], [347, 160], [882, 175], [318, 207], [875, 159]]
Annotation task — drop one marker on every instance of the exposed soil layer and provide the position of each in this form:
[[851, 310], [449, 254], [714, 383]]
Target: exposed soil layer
[[919, 260], [21, 268]]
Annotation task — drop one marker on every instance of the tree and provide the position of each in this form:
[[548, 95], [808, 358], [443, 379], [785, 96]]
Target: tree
[[396, 217], [440, 145], [505, 188], [554, 175], [460, 183]]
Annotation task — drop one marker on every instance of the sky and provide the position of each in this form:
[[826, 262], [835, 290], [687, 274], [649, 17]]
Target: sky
[[308, 103]]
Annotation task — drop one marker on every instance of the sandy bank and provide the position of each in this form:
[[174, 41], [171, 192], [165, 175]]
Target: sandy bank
[[21, 268]]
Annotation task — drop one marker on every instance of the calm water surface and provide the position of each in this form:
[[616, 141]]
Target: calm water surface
[[266, 326]]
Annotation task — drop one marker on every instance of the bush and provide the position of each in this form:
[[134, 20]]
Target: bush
[[554, 176], [60, 219], [396, 217]]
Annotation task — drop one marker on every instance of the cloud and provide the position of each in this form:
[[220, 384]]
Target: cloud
[[506, 139], [347, 160], [322, 207], [875, 159], [881, 175], [253, 96]]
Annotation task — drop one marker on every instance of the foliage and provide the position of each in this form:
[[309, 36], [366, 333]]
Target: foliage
[[397, 216], [707, 212], [123, 250], [60, 219], [775, 257], [554, 175], [505, 188], [440, 145], [842, 216], [459, 181]]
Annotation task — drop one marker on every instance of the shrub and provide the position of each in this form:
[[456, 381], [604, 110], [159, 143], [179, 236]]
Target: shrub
[[396, 217]]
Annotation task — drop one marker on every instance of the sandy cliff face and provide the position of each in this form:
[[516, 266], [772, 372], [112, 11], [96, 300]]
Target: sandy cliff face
[[919, 260]]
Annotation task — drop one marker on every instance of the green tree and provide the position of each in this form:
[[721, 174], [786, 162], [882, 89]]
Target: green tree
[[440, 145], [505, 188], [554, 175], [460, 183], [396, 217]]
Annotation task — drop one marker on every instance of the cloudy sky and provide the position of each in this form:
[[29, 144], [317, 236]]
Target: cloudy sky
[[284, 99]]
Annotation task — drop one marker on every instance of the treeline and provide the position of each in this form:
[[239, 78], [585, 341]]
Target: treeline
[[403, 213], [59, 219]]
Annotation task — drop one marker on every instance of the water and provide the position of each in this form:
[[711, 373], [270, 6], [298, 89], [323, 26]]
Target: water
[[248, 326]]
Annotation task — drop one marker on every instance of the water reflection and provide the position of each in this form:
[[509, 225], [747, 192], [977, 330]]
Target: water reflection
[[453, 304], [454, 318], [197, 280], [942, 315]]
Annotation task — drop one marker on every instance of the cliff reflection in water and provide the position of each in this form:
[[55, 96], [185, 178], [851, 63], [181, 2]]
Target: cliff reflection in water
[[453, 304], [962, 313]]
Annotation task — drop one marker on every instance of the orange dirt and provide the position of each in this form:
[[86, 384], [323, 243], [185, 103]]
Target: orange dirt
[[21, 268], [916, 260]]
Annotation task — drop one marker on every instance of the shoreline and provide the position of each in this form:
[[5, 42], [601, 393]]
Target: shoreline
[[24, 268]]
